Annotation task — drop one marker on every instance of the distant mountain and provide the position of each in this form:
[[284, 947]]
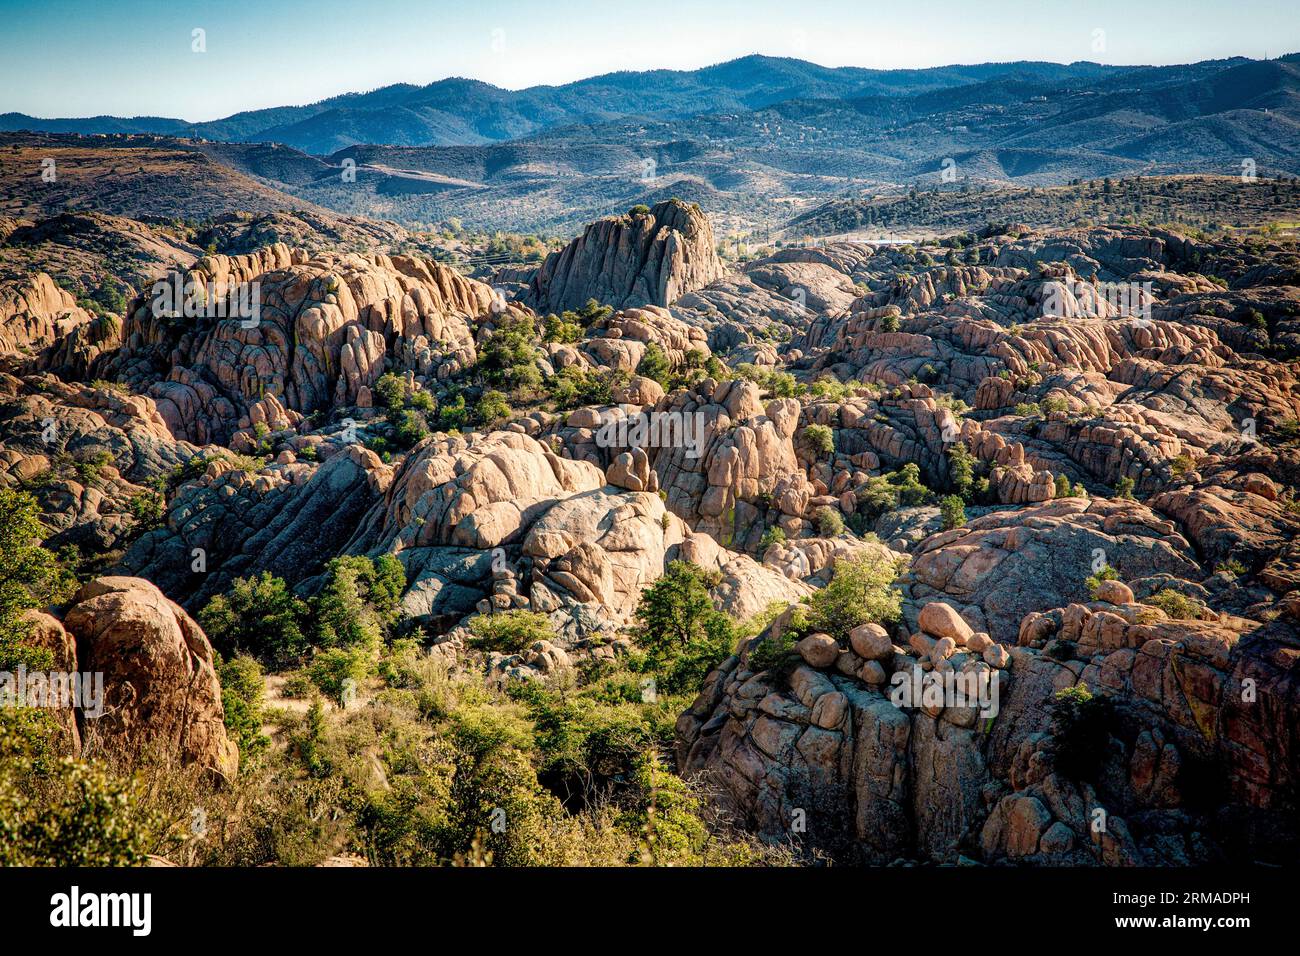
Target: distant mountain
[[458, 111], [736, 139]]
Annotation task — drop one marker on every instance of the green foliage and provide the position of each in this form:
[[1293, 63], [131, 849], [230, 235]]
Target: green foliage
[[889, 323], [573, 386], [952, 511], [773, 535], [1231, 567], [776, 654], [452, 414], [1055, 404], [510, 632], [358, 602], [241, 701], [260, 617], [961, 470], [1081, 725], [820, 438], [897, 489], [833, 389], [1062, 489], [829, 522], [564, 328], [492, 409], [683, 635], [336, 669], [61, 811], [861, 590], [1093, 581], [31, 577], [1178, 605], [508, 357], [1124, 488], [654, 364], [640, 209]]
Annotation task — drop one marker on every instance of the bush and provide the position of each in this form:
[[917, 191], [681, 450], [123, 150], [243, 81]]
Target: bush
[[884, 493], [337, 670], [1081, 724], [510, 632], [30, 577], [773, 535], [961, 470], [953, 512], [1177, 605], [820, 438], [1124, 488], [860, 591], [258, 616], [829, 522], [682, 633], [654, 364], [492, 409], [1062, 486], [241, 701], [776, 655], [410, 428], [357, 604], [1093, 581]]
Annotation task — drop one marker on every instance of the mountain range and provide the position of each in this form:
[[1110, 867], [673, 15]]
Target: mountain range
[[759, 141]]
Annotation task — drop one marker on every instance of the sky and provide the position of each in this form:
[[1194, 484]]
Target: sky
[[66, 58]]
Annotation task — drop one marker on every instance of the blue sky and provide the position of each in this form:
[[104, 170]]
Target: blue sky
[[86, 57]]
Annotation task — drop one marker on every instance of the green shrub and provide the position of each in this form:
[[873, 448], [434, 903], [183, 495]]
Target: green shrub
[[337, 669], [820, 438], [30, 577], [258, 616], [1062, 486], [357, 604], [492, 409], [1177, 605], [510, 632], [241, 702], [775, 655], [683, 635], [1093, 581], [861, 590], [1124, 488], [654, 364], [952, 510], [829, 522], [773, 535]]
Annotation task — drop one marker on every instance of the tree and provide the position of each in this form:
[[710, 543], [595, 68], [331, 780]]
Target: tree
[[654, 364], [1062, 486], [510, 632], [261, 617], [953, 512], [358, 602], [30, 577], [860, 591], [678, 626]]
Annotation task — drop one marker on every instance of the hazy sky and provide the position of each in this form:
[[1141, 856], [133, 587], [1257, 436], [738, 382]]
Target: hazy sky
[[87, 57]]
